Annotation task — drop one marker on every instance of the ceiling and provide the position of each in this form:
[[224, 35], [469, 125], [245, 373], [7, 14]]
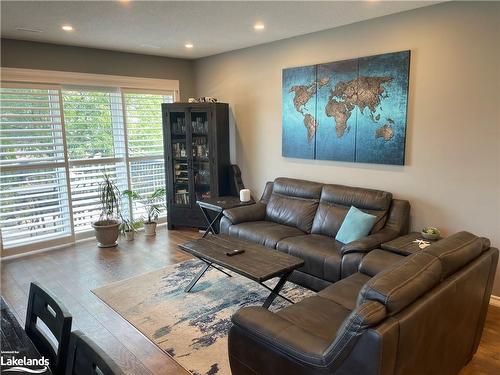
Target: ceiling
[[163, 27]]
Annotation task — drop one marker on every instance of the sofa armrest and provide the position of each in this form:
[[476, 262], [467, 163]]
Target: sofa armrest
[[369, 242], [253, 212], [281, 334]]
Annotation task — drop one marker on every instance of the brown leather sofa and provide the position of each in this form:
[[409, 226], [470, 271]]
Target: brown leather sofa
[[301, 218], [420, 314]]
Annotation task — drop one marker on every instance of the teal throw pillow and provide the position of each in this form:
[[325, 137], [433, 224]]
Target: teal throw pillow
[[356, 225]]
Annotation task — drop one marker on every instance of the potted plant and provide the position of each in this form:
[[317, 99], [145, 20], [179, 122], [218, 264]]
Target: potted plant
[[153, 208], [106, 228], [128, 228]]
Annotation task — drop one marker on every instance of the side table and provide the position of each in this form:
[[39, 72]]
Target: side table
[[405, 245], [218, 205]]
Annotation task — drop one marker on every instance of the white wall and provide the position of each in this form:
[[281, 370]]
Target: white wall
[[452, 170]]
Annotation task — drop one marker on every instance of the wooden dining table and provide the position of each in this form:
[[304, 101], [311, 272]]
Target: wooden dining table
[[16, 345]]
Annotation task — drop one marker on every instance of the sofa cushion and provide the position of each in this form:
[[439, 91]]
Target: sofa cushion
[[400, 285], [263, 232], [336, 200], [456, 251], [294, 203], [345, 291], [318, 316], [297, 188], [321, 254], [379, 260], [356, 225]]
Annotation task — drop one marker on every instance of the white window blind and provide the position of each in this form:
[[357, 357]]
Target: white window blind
[[85, 179], [33, 194], [144, 123], [94, 124], [96, 145], [56, 144], [145, 144]]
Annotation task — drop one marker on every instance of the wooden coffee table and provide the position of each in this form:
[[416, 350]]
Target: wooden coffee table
[[257, 263]]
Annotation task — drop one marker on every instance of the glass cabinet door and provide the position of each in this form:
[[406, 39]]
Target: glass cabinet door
[[180, 158], [200, 153]]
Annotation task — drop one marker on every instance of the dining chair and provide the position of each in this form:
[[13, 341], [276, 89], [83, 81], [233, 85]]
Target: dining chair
[[85, 357], [48, 325]]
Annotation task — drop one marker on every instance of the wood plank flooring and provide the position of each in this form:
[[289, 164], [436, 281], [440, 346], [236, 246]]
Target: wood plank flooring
[[72, 272]]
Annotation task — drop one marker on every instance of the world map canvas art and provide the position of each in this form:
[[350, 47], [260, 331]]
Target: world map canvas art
[[352, 110]]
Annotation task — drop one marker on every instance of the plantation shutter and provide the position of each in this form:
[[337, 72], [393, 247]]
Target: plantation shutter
[[145, 143], [56, 142], [33, 182], [96, 146]]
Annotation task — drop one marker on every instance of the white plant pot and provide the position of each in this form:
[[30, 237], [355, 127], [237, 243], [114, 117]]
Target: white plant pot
[[129, 236], [150, 229]]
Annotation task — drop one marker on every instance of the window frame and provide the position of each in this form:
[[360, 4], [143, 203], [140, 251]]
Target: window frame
[[54, 80], [130, 159]]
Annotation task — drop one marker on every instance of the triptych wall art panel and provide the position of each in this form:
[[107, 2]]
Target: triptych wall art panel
[[352, 110]]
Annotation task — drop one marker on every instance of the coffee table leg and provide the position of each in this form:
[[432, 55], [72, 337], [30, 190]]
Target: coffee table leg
[[276, 291], [221, 270], [197, 277]]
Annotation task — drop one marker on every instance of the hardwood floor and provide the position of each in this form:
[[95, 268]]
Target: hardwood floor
[[72, 272], [486, 361]]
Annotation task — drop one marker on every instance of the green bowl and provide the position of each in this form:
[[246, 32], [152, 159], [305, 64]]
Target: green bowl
[[431, 235]]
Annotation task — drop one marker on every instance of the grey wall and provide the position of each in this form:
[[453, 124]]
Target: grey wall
[[452, 171], [453, 137], [33, 55]]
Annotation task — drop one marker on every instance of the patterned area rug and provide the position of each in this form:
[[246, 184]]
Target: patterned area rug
[[191, 327]]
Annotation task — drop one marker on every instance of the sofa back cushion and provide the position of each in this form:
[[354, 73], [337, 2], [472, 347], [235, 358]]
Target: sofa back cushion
[[266, 194], [294, 203], [336, 200], [457, 250], [400, 285]]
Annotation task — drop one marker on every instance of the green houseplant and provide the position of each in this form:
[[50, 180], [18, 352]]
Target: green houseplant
[[107, 227], [153, 210], [129, 227], [152, 205]]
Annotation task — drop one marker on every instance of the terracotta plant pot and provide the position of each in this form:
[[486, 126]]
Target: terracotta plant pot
[[129, 235], [150, 229], [106, 232]]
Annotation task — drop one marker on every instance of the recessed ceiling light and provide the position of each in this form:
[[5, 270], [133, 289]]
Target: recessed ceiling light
[[29, 30], [67, 28], [259, 26], [189, 45]]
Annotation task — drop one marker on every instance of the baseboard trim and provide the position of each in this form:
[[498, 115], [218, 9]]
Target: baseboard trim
[[495, 301]]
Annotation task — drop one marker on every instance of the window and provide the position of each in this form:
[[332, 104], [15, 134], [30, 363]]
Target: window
[[96, 145], [145, 143], [56, 142], [34, 195]]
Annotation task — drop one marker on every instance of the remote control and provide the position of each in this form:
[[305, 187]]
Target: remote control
[[234, 252]]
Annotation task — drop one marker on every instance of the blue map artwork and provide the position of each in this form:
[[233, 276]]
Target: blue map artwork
[[353, 110]]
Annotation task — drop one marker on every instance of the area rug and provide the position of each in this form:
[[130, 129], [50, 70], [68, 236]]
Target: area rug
[[191, 327]]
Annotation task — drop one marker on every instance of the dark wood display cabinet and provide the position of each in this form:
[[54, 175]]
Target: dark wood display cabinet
[[196, 141]]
